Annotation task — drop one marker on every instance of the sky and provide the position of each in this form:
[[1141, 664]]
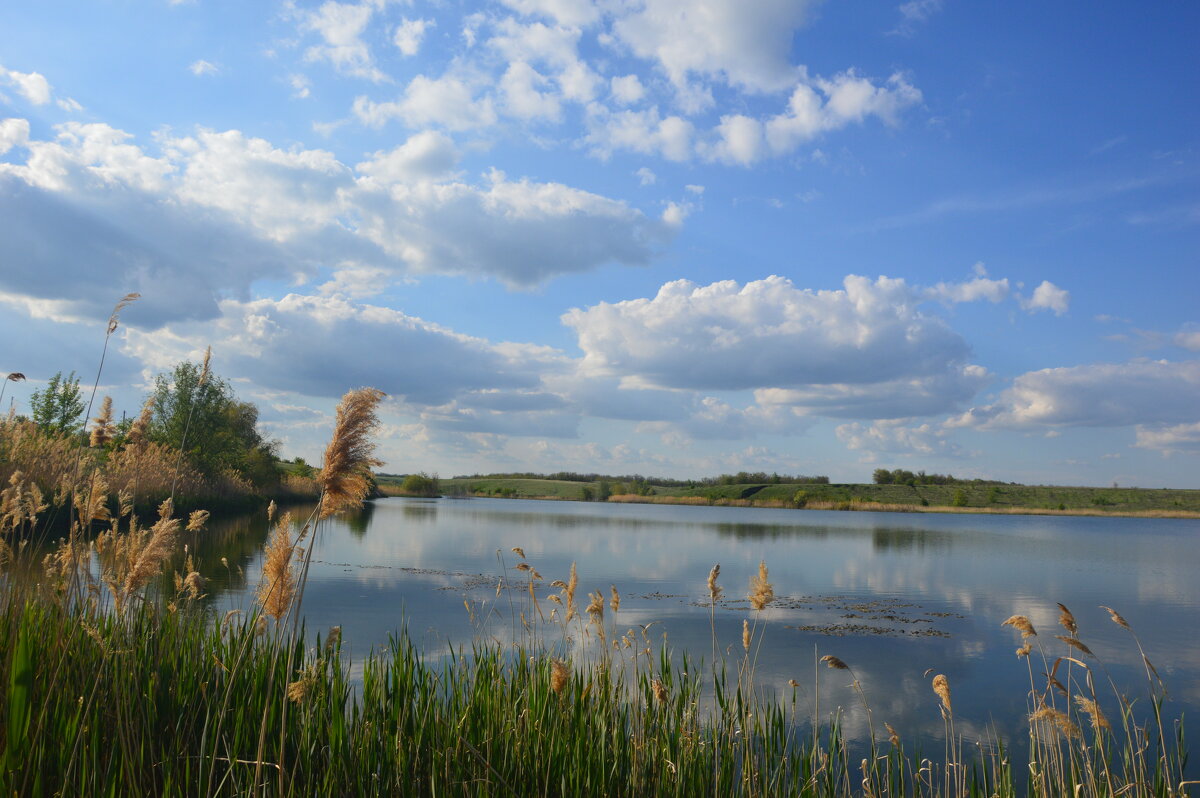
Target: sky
[[625, 236]]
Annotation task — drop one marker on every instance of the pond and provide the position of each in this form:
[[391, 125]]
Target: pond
[[898, 597]]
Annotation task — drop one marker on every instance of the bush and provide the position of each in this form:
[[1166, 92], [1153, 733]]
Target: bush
[[420, 485], [959, 500]]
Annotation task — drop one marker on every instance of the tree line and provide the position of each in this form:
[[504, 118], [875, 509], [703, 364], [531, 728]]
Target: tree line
[[740, 478], [900, 476]]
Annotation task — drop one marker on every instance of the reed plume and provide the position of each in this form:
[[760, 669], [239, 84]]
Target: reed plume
[[155, 552], [1076, 644], [204, 368], [745, 634], [1056, 720], [520, 552], [1116, 618], [714, 590], [197, 520], [660, 691], [102, 432], [1021, 624], [1099, 721], [615, 602], [344, 478], [137, 430], [1067, 619], [278, 585], [558, 676], [115, 316], [761, 590], [835, 663], [941, 686]]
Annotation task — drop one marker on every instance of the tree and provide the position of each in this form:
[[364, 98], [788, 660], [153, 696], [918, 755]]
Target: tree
[[59, 407], [215, 430]]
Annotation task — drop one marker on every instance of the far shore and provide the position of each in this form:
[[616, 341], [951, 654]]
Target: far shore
[[848, 506]]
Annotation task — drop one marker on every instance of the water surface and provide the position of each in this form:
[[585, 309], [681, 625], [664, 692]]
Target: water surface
[[899, 597]]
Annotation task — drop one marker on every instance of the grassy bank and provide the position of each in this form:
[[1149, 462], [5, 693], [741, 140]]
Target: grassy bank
[[964, 498]]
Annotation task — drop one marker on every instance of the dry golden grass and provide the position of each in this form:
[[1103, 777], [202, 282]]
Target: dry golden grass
[[278, 586], [350, 455], [102, 429]]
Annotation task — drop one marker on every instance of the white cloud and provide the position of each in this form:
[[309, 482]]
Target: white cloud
[[1188, 337], [848, 99], [741, 141], [913, 13], [341, 26], [447, 101], [747, 45], [643, 132], [767, 334], [314, 346], [14, 133], [301, 88], [424, 156], [202, 67], [1176, 439], [973, 291], [894, 437], [694, 189], [901, 398], [214, 212], [572, 13], [645, 176], [33, 86], [409, 34], [1148, 392], [627, 89], [1047, 296], [524, 98]]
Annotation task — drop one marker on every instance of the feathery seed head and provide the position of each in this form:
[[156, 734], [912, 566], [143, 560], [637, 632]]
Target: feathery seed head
[[102, 431], [197, 520], [941, 686], [350, 454], [1116, 618], [761, 590], [558, 676], [114, 319], [835, 663], [1067, 620], [714, 590], [615, 601], [1021, 624], [745, 634]]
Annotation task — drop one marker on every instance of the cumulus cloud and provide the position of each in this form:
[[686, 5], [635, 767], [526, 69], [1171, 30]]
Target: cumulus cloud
[[1173, 439], [317, 345], [33, 86], [409, 34], [627, 89], [913, 13], [448, 102], [767, 333], [340, 26], [645, 176], [1047, 296], [747, 45], [895, 437], [645, 132], [572, 13], [216, 211], [1147, 392]]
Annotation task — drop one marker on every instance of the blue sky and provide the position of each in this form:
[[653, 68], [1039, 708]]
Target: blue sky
[[627, 235]]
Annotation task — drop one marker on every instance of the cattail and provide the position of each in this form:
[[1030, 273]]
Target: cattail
[[520, 552], [1067, 620], [102, 432], [278, 585], [660, 691], [137, 430], [1093, 711], [114, 319], [1076, 644], [761, 591], [1021, 624], [714, 590], [350, 454], [558, 676], [197, 520], [1117, 619], [941, 686], [615, 601], [745, 634], [835, 663]]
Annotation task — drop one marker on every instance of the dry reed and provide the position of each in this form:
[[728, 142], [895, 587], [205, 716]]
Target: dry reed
[[345, 476], [102, 431], [278, 586]]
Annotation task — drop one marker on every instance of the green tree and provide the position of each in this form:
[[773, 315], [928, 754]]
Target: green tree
[[420, 485], [214, 429], [59, 407]]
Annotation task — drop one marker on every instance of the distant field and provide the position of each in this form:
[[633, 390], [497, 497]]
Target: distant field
[[997, 498]]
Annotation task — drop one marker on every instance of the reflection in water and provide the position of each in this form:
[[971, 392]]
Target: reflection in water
[[891, 595]]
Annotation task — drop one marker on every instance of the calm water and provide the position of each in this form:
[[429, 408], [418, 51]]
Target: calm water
[[891, 594]]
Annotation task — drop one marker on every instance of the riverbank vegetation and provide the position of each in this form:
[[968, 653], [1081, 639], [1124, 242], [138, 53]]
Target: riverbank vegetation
[[940, 493]]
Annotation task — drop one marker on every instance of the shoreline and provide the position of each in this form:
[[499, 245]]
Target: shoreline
[[859, 506]]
